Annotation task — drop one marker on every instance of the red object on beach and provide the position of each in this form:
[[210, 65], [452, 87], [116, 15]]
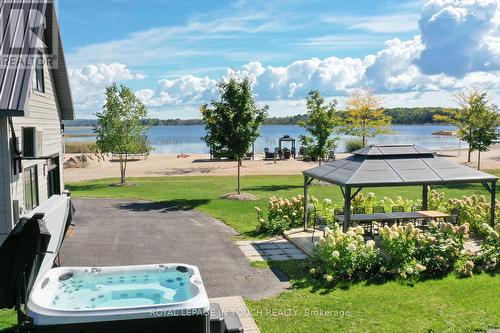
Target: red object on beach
[[183, 156]]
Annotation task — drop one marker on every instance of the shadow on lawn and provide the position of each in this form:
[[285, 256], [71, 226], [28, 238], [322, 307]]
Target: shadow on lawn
[[85, 187], [8, 330], [271, 188], [163, 206]]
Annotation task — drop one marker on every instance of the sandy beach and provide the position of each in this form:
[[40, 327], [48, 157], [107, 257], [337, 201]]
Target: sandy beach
[[195, 165]]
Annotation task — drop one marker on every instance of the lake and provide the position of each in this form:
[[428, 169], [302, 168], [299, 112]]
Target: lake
[[187, 139]]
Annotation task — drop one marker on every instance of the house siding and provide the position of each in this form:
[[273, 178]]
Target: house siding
[[45, 116]]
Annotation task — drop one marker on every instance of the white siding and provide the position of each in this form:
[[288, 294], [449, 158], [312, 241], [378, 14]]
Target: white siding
[[44, 115]]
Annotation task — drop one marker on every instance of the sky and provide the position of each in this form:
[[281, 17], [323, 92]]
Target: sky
[[173, 52]]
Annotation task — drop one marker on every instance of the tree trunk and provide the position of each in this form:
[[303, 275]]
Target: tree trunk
[[479, 160], [123, 168], [468, 157], [239, 173], [363, 139]]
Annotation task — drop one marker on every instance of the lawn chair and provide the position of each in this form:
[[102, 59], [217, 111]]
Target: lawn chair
[[453, 218], [318, 222], [377, 210], [398, 209], [368, 225], [331, 155]]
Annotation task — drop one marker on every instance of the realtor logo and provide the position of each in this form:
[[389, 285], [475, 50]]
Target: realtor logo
[[27, 31]]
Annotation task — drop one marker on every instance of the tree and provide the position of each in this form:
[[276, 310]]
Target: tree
[[365, 117], [321, 121], [233, 122], [476, 120], [119, 128]]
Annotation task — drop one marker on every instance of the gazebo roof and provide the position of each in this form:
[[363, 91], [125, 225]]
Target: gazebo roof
[[388, 165], [286, 138]]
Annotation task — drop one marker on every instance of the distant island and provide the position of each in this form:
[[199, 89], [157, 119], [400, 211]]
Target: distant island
[[400, 116]]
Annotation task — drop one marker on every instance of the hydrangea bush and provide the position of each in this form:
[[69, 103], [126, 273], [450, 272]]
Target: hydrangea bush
[[283, 214], [345, 255], [369, 200], [473, 210], [404, 252]]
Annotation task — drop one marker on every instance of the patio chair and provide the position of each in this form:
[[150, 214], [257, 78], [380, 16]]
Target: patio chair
[[368, 225], [419, 222], [318, 222], [278, 153], [453, 218], [416, 208], [377, 210], [286, 153], [359, 210], [398, 209], [331, 155], [302, 151], [338, 211]]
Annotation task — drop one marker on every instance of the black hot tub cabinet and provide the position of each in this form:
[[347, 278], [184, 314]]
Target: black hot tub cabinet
[[146, 298]]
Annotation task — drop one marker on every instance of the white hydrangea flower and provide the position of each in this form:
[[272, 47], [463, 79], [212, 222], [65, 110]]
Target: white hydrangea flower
[[351, 247]]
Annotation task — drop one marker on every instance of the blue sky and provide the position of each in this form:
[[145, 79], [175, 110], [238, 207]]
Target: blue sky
[[173, 52]]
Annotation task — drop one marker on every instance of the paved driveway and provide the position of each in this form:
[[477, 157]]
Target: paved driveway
[[113, 232]]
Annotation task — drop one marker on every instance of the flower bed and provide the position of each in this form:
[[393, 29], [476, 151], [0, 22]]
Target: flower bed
[[405, 252], [284, 214]]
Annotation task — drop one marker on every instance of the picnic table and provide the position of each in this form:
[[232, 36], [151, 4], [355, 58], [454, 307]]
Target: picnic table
[[391, 217]]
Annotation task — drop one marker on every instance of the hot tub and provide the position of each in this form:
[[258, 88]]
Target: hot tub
[[147, 298], [166, 297]]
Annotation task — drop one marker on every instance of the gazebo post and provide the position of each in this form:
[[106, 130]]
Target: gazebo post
[[347, 208], [493, 201], [306, 201], [425, 197]]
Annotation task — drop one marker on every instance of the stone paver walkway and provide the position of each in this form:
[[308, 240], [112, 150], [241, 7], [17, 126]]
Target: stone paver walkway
[[270, 250]]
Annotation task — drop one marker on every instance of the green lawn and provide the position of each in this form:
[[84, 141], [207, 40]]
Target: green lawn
[[7, 319], [203, 193], [443, 305]]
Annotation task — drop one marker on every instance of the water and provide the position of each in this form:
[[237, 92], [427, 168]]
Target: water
[[187, 139], [83, 291]]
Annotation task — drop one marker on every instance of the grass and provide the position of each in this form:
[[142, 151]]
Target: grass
[[445, 305], [8, 319], [442, 305], [79, 147], [203, 193]]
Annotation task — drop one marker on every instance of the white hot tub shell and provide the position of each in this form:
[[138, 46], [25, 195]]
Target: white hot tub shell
[[166, 297]]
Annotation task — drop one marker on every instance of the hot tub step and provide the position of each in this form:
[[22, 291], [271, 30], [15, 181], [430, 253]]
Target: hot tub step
[[217, 324], [233, 323]]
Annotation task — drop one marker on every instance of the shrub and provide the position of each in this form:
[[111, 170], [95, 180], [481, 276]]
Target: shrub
[[344, 255], [353, 145], [369, 200], [405, 252], [488, 258], [283, 214], [80, 147], [442, 248], [473, 210]]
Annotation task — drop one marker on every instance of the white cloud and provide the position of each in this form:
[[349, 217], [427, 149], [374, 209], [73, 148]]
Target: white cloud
[[460, 36], [88, 83], [459, 47], [401, 22]]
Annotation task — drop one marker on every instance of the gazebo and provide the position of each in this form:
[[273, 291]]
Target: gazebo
[[286, 138], [394, 165]]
